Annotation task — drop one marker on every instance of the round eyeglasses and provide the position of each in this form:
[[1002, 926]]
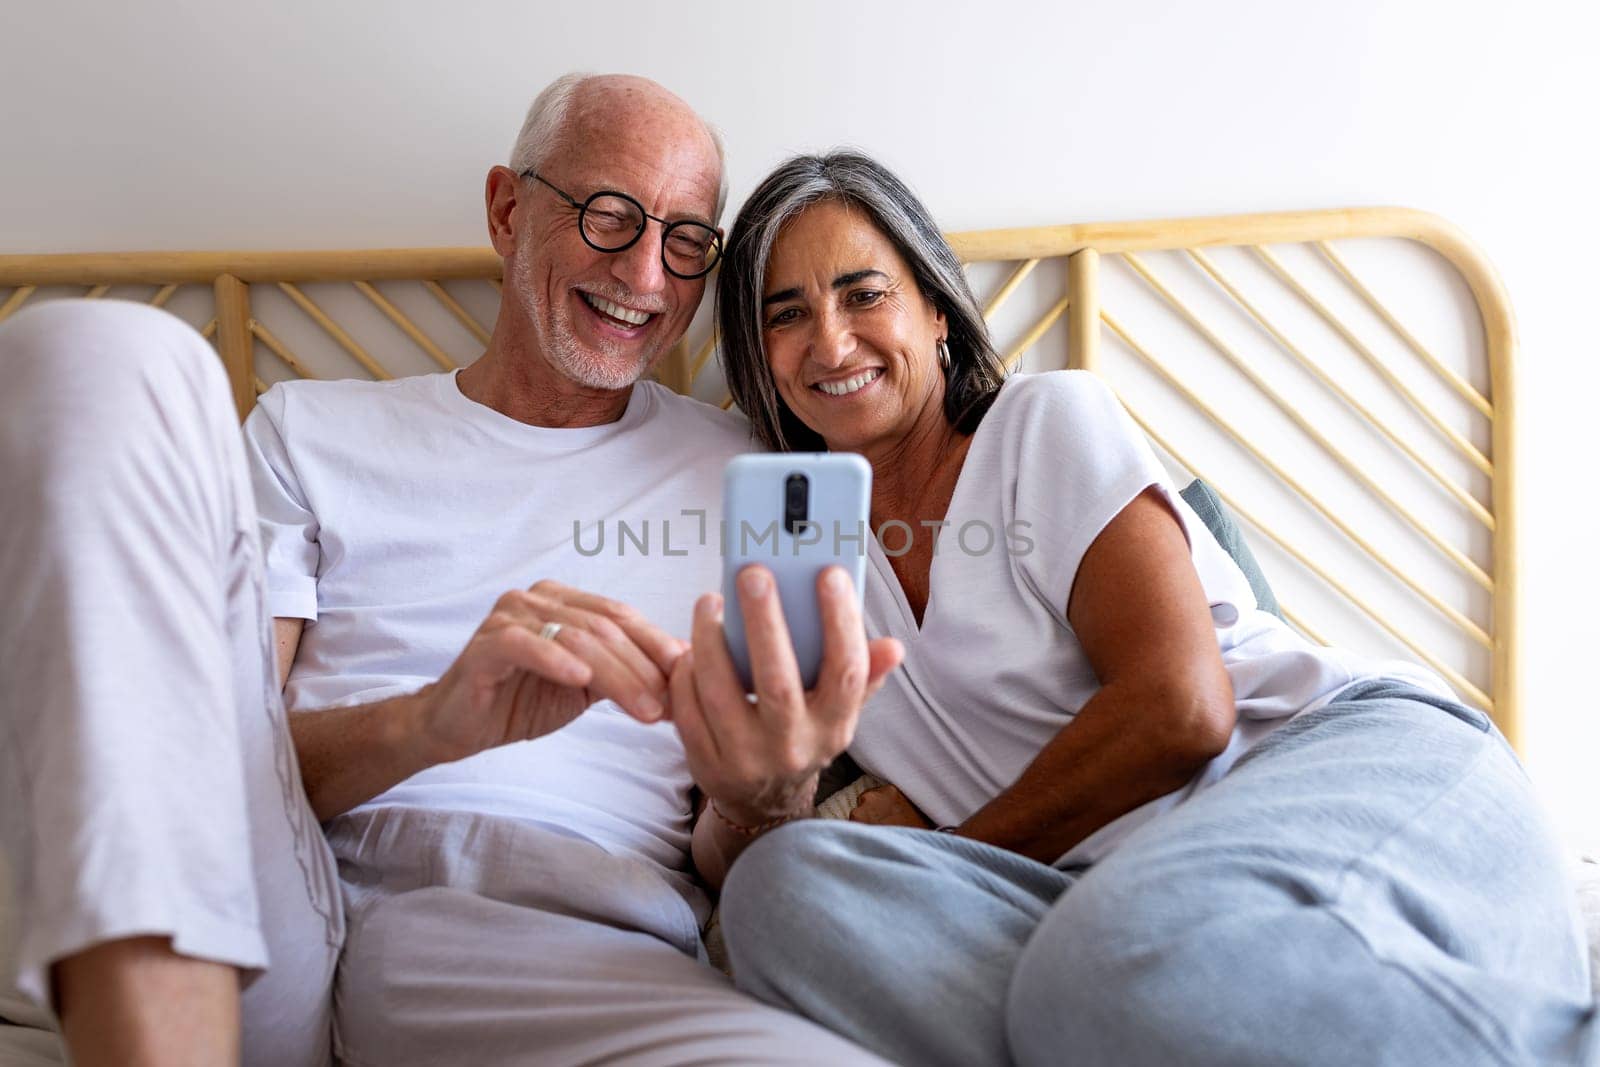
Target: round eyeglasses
[[613, 222]]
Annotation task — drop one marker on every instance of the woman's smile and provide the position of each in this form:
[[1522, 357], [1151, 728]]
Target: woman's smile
[[851, 386]]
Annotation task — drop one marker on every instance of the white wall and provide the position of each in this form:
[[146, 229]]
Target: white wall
[[180, 124]]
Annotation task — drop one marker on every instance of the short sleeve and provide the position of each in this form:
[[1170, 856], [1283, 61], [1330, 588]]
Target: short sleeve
[[1079, 461], [289, 528]]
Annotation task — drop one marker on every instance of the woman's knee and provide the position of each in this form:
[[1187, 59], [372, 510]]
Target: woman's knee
[[1127, 951], [1059, 975], [1111, 978]]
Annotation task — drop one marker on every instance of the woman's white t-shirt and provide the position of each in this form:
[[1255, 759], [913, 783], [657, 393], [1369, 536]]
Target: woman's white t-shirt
[[995, 671]]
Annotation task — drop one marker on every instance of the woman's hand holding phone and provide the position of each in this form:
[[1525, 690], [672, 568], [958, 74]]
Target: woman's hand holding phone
[[757, 758]]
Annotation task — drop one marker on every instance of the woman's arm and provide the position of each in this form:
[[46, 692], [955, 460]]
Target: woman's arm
[[716, 842], [1165, 704]]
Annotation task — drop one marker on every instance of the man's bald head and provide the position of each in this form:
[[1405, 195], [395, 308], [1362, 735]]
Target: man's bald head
[[579, 102], [576, 312]]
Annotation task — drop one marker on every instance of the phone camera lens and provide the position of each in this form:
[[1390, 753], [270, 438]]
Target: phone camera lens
[[796, 501]]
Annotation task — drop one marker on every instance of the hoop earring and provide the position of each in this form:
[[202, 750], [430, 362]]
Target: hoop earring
[[943, 351]]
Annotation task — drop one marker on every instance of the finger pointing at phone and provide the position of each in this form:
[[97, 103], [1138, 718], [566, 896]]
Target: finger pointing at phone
[[757, 757]]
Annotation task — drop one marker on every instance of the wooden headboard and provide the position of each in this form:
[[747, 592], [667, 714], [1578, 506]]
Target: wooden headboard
[[1365, 440]]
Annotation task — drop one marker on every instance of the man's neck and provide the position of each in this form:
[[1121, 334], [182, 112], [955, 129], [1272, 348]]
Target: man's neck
[[519, 383]]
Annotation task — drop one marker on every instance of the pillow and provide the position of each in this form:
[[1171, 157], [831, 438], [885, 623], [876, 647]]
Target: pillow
[[1205, 503]]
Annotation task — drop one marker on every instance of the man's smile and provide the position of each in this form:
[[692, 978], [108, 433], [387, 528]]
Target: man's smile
[[616, 315]]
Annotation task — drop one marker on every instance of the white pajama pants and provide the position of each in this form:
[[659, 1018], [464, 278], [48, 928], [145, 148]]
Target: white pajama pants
[[147, 781], [478, 940], [148, 785]]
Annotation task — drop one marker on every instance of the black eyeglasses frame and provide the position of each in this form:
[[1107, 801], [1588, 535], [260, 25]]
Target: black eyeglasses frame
[[645, 218]]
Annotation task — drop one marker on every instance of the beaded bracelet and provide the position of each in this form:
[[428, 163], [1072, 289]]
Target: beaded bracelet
[[751, 831]]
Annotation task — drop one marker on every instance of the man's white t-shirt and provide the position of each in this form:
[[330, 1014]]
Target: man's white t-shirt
[[394, 514], [995, 671]]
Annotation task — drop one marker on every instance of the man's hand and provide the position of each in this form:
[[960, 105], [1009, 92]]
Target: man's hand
[[510, 684], [887, 806], [758, 761]]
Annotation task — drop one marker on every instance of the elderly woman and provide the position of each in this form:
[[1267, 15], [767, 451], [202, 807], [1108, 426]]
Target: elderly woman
[[1174, 830]]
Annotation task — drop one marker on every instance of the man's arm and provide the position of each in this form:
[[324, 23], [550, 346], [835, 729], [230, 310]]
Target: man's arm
[[351, 754], [508, 684], [286, 635]]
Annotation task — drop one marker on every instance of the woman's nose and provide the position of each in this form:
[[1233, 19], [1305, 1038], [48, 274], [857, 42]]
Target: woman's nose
[[833, 341]]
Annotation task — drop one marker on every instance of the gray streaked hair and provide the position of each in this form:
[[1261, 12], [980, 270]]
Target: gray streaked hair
[[542, 130], [852, 178]]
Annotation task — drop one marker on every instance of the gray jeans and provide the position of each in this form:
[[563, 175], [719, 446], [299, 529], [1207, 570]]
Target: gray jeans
[[1373, 884]]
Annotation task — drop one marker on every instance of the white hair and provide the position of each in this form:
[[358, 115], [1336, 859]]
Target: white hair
[[547, 116]]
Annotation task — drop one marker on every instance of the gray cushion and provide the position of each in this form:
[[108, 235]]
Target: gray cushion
[[1206, 504]]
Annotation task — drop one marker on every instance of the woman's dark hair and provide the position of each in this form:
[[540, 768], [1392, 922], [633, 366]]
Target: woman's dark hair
[[976, 369]]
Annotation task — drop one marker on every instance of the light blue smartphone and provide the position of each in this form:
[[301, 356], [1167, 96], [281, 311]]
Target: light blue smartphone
[[795, 513]]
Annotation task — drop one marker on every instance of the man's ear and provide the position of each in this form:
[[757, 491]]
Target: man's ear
[[500, 191]]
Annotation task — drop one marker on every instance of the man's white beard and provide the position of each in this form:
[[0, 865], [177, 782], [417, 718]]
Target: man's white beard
[[595, 370], [589, 368]]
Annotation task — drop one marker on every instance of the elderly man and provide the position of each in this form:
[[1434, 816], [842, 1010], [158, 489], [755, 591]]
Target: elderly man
[[510, 820]]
